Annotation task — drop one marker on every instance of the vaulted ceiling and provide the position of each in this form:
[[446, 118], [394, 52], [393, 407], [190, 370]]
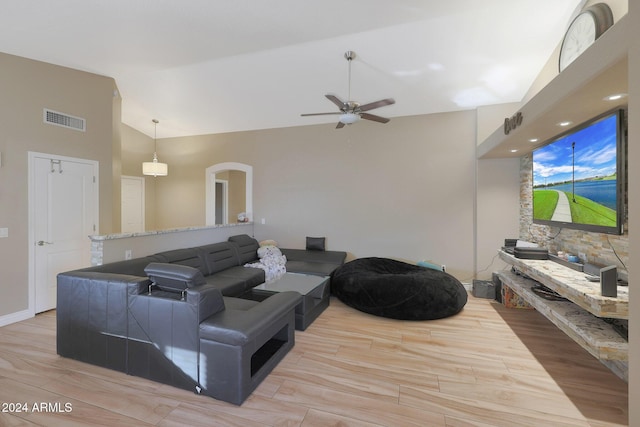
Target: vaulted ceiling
[[212, 66]]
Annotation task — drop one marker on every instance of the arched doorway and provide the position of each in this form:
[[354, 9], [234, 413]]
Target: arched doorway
[[230, 169]]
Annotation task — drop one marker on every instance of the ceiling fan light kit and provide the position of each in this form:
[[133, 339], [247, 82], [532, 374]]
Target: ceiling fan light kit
[[349, 118], [351, 111]]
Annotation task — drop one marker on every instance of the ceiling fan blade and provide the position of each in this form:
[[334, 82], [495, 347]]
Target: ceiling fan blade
[[375, 118], [335, 100], [377, 104], [321, 114], [340, 125]]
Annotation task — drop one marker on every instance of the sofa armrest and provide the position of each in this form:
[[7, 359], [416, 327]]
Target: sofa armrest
[[238, 327]]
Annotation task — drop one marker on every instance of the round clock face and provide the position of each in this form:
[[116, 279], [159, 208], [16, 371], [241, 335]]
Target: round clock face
[[580, 35]]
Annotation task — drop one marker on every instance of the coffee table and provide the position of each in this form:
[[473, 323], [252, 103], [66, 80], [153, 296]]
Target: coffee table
[[314, 291]]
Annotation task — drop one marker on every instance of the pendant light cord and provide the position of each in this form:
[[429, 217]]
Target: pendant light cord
[[155, 138]]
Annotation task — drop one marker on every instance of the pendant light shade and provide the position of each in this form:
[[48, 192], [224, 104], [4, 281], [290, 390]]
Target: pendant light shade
[[155, 168]]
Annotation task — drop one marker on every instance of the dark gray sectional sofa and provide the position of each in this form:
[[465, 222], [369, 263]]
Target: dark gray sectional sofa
[[176, 317]]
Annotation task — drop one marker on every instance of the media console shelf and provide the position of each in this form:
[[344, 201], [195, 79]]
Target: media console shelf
[[585, 326], [572, 285]]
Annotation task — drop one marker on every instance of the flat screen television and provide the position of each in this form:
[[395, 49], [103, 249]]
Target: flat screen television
[[578, 177]]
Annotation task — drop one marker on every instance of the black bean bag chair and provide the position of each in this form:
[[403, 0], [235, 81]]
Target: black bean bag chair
[[398, 290]]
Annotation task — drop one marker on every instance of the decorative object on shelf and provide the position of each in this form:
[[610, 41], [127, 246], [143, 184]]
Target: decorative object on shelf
[[609, 281], [583, 31], [351, 111], [155, 168]]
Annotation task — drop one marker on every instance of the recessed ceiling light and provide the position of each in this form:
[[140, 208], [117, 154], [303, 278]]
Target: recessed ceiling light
[[565, 123], [615, 97], [514, 151], [533, 139]]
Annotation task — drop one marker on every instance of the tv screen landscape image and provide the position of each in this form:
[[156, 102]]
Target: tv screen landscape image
[[577, 177]]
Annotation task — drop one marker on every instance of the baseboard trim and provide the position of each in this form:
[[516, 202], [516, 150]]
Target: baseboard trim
[[15, 317]]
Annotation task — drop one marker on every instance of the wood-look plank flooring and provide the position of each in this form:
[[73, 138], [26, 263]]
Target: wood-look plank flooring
[[487, 366]]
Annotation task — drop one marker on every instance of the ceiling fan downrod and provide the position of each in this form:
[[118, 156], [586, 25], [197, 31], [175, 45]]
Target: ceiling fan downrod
[[349, 55]]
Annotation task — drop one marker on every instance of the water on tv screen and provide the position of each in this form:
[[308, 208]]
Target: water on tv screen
[[576, 178]]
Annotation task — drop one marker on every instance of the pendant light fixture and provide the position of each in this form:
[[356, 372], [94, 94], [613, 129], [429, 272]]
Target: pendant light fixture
[[155, 168]]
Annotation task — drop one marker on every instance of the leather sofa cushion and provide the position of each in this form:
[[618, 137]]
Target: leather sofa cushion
[[219, 256], [239, 324], [313, 268], [329, 257], [132, 267], [250, 276], [246, 246], [188, 256], [227, 285], [174, 277]]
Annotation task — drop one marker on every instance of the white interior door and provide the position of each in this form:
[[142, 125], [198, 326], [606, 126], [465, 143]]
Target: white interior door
[[132, 204], [64, 212]]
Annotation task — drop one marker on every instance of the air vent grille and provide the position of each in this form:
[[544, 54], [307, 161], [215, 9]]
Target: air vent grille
[[64, 120]]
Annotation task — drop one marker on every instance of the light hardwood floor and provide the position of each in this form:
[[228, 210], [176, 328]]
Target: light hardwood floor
[[487, 366]]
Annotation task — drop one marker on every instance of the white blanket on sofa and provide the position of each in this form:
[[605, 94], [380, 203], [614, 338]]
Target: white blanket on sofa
[[271, 261]]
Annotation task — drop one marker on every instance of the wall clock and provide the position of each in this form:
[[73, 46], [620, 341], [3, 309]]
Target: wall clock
[[583, 31]]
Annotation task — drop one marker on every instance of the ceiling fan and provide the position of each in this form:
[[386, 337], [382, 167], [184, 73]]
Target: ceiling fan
[[351, 111]]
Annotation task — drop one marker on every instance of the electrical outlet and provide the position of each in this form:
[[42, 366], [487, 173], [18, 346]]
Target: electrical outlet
[[263, 221], [128, 254], [4, 232]]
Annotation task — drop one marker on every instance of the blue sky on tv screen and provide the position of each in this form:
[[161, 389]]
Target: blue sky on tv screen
[[595, 154]]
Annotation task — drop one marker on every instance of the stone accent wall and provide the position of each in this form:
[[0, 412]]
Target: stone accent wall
[[599, 248]]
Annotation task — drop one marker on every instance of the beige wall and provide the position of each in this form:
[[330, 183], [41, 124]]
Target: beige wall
[[498, 210], [27, 87], [497, 194], [236, 187], [403, 190], [237, 194], [491, 117]]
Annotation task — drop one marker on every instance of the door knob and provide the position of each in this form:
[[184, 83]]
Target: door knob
[[42, 243]]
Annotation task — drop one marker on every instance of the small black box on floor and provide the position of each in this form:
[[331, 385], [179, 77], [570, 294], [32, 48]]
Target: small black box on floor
[[483, 289]]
